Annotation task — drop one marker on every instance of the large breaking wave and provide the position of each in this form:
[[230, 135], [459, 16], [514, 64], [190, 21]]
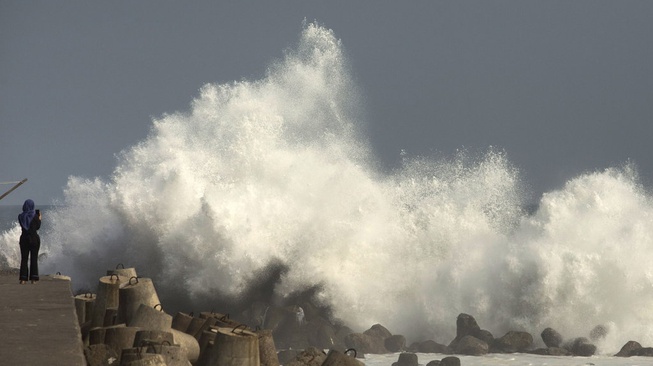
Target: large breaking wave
[[277, 172]]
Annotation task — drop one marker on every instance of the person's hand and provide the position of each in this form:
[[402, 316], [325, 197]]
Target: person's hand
[[39, 215]]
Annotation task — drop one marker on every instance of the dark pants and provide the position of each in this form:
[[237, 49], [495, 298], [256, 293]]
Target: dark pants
[[29, 252]]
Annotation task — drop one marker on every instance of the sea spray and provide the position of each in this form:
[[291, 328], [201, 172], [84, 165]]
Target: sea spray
[[590, 246], [274, 178]]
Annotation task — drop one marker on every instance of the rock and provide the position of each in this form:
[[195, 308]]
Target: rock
[[599, 332], [450, 361], [485, 336], [471, 346], [378, 331], [447, 361], [466, 325], [406, 359], [342, 332], [644, 351], [514, 341], [551, 351], [580, 347], [551, 338], [430, 346], [628, 348], [310, 357], [322, 334], [414, 347], [337, 358], [395, 343], [365, 343]]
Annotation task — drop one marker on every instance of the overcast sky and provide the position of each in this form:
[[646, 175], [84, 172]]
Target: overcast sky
[[563, 87]]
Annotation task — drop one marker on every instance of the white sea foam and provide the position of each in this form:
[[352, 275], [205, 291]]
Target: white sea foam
[[278, 171]]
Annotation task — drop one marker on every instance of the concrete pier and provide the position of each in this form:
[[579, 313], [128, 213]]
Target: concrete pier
[[38, 323]]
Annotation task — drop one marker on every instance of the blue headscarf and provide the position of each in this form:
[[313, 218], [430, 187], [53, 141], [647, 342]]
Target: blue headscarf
[[28, 214]]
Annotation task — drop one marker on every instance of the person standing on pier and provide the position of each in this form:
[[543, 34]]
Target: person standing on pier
[[30, 242]]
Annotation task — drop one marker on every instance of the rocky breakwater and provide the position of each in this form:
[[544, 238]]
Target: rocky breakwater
[[123, 323], [472, 340]]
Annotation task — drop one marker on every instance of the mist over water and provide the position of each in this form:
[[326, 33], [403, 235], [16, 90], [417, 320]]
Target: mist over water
[[277, 173]]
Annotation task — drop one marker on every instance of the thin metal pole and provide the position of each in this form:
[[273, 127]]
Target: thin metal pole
[[12, 188]]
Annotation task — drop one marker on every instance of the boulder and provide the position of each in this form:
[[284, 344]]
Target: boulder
[[485, 336], [447, 361], [471, 346], [311, 356], [342, 331], [395, 343], [644, 351], [580, 347], [599, 332], [466, 325], [514, 341], [551, 351], [450, 361], [430, 346], [585, 349], [378, 331], [406, 359], [414, 347], [322, 334], [365, 343], [628, 348], [551, 337], [337, 358]]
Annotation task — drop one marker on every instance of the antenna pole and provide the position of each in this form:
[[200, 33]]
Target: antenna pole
[[12, 188]]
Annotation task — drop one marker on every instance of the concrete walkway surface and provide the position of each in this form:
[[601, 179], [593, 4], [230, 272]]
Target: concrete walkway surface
[[38, 323]]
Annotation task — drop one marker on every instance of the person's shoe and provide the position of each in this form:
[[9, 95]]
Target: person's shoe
[[33, 282], [23, 282]]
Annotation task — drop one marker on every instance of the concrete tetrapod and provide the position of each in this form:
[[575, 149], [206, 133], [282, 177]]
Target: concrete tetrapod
[[148, 317], [188, 344], [181, 321], [122, 271], [107, 297], [84, 307], [136, 291], [234, 347], [337, 358], [173, 355], [147, 337], [119, 338], [266, 348]]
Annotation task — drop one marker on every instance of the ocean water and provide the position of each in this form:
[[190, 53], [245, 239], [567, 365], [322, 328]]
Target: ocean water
[[273, 181], [517, 359]]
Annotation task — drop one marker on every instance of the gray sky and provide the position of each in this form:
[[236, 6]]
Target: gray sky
[[563, 87]]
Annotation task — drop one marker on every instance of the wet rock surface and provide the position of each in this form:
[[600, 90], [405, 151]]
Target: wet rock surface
[[551, 337]]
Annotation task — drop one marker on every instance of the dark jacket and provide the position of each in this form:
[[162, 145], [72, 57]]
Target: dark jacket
[[31, 236]]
